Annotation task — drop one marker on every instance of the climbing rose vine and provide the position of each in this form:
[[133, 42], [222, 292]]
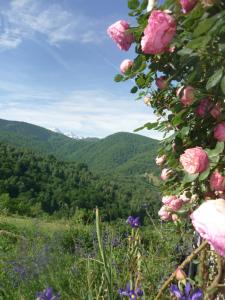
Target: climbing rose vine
[[179, 71]]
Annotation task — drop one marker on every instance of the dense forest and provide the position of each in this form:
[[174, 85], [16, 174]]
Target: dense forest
[[33, 185]]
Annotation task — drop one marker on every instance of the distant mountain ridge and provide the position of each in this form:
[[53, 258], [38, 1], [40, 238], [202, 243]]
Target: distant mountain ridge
[[123, 153]]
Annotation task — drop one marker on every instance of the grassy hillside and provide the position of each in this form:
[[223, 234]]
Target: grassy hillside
[[120, 153]]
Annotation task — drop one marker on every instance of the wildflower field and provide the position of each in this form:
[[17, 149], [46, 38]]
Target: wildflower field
[[35, 255]]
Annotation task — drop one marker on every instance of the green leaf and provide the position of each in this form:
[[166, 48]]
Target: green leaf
[[214, 79], [222, 85], [133, 4], [118, 78], [216, 151], [139, 60], [134, 90], [204, 175], [199, 42], [203, 27], [190, 177], [148, 126]]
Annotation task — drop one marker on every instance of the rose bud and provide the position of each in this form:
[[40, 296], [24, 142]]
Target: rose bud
[[194, 160], [180, 274], [219, 132], [166, 173], [160, 160], [187, 95], [187, 5], [203, 107], [161, 83], [209, 221], [159, 32], [216, 111], [175, 218], [118, 33], [147, 100], [217, 181], [126, 65], [164, 214]]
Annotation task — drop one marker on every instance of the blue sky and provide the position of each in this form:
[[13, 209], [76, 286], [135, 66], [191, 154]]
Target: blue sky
[[58, 64]]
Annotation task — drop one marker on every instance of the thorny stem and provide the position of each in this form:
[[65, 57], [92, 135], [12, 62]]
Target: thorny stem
[[184, 263]]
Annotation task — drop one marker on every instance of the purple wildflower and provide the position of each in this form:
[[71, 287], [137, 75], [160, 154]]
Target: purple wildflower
[[131, 293], [188, 294], [47, 294], [134, 222]]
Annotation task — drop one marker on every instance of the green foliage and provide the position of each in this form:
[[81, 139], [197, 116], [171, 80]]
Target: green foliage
[[32, 185]]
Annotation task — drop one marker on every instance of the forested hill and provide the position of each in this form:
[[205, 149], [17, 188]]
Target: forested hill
[[31, 184], [120, 153]]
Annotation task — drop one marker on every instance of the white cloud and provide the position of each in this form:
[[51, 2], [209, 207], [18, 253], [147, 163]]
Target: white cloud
[[87, 113], [26, 18]]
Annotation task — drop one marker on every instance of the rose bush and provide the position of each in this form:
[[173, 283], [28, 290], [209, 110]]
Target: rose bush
[[179, 71]]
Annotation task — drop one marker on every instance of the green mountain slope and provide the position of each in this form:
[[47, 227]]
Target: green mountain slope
[[40, 139], [121, 153]]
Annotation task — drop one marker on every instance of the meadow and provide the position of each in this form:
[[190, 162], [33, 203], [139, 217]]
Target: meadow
[[66, 255]]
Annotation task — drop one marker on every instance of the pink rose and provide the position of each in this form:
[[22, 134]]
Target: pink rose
[[219, 132], [187, 95], [166, 173], [164, 214], [217, 181], [194, 160], [209, 221], [187, 5], [118, 33], [160, 160], [215, 111], [161, 82], [203, 107], [172, 202], [167, 199], [125, 65], [159, 32]]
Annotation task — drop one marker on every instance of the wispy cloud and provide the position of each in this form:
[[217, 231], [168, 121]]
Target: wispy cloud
[[24, 19], [86, 112]]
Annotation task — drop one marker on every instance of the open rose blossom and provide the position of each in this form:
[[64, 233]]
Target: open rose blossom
[[172, 202], [164, 214], [217, 181], [194, 160], [203, 107], [187, 5], [187, 95], [126, 65], [209, 222], [159, 32], [166, 173], [118, 33], [160, 160], [216, 111], [161, 82], [219, 132]]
